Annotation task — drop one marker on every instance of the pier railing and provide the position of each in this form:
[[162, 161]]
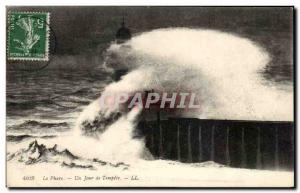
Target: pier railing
[[245, 144]]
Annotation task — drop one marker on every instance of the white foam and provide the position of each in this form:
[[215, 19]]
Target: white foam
[[222, 68]]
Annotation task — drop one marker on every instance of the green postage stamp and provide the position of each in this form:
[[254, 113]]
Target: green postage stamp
[[28, 36]]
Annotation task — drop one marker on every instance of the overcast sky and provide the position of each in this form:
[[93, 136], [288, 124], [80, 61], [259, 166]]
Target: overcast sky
[[83, 29]]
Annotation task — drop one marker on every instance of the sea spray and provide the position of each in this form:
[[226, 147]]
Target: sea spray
[[223, 69], [117, 144]]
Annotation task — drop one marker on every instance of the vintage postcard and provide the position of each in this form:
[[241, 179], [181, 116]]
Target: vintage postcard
[[150, 96]]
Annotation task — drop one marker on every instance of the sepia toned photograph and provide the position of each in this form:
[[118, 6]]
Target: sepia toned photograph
[[150, 97]]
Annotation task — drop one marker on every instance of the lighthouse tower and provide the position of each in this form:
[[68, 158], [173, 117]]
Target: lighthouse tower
[[123, 34]]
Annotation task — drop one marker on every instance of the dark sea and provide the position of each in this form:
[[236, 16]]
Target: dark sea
[[46, 103]]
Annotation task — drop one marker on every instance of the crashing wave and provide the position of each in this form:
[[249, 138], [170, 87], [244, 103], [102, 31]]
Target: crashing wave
[[226, 79], [38, 153]]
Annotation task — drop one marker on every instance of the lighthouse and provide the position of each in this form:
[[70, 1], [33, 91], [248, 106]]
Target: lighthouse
[[123, 34]]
